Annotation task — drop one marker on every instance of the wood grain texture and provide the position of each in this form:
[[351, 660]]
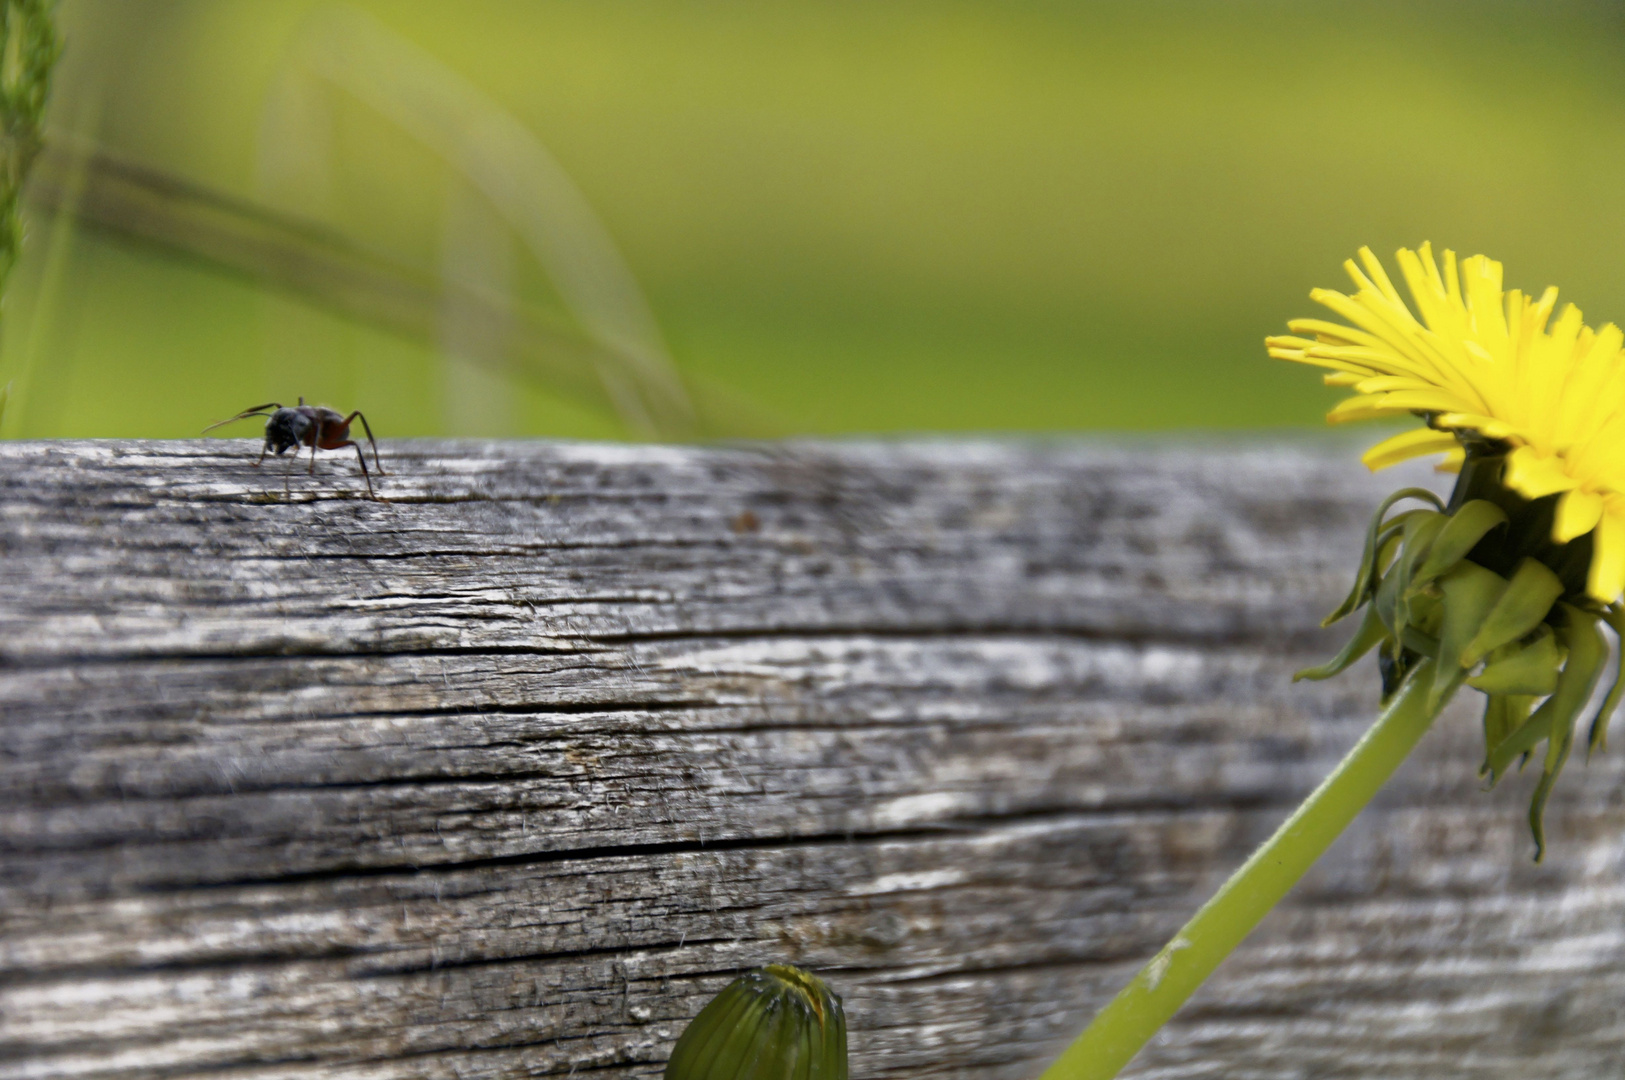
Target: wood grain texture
[[506, 774]]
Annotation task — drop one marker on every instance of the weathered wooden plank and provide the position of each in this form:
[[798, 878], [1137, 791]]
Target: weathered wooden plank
[[504, 775]]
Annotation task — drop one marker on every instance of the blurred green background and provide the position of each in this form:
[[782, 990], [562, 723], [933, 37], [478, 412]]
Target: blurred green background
[[630, 219]]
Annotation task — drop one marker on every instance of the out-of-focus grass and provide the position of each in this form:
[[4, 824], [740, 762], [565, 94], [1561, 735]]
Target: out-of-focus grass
[[857, 217]]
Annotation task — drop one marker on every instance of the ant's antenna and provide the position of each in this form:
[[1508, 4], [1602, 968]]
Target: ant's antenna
[[258, 410]]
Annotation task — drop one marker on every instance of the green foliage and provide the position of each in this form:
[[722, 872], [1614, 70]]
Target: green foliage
[[28, 51], [857, 218]]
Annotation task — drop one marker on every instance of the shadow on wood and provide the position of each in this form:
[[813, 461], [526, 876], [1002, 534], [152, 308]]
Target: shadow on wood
[[507, 774]]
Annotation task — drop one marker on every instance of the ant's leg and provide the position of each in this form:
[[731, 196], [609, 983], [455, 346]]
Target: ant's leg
[[263, 450], [315, 441], [287, 475], [374, 443], [359, 456]]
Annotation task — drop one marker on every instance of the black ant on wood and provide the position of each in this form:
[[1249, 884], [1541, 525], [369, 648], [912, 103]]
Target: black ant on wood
[[315, 426]]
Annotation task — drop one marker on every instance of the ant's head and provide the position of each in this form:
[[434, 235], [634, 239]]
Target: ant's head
[[286, 428]]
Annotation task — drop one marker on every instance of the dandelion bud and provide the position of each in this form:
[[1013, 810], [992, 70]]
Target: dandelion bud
[[774, 1023]]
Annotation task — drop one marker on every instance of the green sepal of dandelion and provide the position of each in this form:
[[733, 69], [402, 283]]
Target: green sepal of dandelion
[[775, 1023], [1479, 586]]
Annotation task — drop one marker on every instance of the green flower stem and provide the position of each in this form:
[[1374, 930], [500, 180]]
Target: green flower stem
[[1162, 986]]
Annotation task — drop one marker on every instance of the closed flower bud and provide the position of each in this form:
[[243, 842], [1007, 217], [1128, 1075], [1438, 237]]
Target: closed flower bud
[[774, 1023]]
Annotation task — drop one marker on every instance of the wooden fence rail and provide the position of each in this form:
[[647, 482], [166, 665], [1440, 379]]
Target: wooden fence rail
[[506, 773]]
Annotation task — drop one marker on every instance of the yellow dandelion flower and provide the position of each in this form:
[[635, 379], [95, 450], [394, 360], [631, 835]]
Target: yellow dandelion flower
[[1484, 363], [1511, 587]]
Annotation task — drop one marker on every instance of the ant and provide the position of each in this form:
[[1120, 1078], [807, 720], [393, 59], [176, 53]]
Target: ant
[[315, 426]]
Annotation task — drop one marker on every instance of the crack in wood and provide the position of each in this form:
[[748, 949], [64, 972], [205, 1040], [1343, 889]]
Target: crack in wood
[[507, 775]]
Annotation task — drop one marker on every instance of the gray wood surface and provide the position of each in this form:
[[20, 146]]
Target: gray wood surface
[[506, 774]]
